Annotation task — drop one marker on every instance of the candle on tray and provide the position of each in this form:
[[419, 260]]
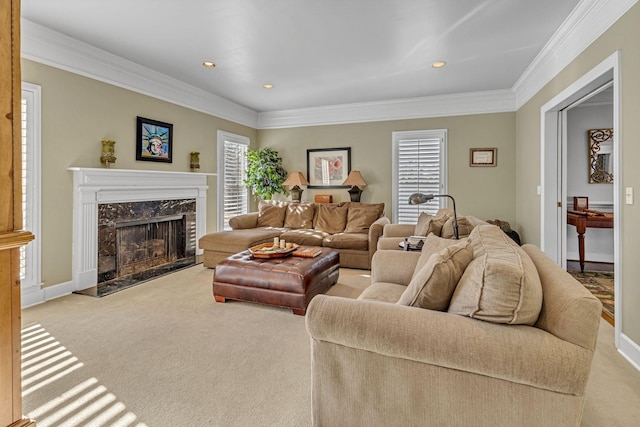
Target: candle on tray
[[276, 242], [283, 244]]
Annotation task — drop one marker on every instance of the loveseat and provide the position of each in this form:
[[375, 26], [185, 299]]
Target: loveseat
[[479, 332], [351, 228]]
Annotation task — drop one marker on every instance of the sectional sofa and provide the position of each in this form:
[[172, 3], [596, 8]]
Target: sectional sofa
[[350, 228]]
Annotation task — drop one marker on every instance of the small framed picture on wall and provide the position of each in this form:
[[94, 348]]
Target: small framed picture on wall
[[154, 140], [483, 156]]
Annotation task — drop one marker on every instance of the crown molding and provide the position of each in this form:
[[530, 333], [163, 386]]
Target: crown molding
[[588, 21], [52, 48], [460, 104]]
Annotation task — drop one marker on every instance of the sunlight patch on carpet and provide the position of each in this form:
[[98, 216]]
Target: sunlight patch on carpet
[[45, 361]]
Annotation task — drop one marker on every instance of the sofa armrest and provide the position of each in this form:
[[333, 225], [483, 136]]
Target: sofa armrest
[[248, 220], [375, 231], [393, 266], [516, 353], [398, 230]]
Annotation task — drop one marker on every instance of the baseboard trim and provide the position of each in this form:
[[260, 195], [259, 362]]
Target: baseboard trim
[[46, 294], [630, 351]]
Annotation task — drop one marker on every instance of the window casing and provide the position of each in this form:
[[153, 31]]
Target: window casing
[[233, 195], [419, 166], [30, 276]]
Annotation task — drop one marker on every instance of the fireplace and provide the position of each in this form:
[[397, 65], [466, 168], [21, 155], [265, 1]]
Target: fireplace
[[130, 226], [138, 241]]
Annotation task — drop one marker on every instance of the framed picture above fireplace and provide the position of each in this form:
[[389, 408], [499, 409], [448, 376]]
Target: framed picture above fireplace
[[154, 141]]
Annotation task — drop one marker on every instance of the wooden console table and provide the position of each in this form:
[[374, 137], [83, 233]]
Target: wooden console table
[[587, 219]]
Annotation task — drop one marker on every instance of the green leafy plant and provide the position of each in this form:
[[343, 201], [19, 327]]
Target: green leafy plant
[[265, 173]]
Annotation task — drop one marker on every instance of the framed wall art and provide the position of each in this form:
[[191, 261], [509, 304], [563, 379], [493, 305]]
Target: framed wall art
[[483, 156], [328, 167], [154, 141]]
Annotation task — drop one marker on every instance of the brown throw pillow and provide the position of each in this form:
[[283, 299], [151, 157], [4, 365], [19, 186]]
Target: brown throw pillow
[[360, 218], [501, 284], [299, 215], [433, 285], [271, 214], [464, 228], [433, 244], [330, 218]]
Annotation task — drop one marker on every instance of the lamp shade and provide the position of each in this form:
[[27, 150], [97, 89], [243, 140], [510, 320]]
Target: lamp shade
[[355, 178], [295, 178]]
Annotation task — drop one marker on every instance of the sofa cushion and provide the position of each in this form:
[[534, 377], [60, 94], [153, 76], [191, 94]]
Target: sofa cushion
[[237, 240], [383, 292], [360, 218], [271, 213], [433, 285], [464, 228], [299, 215], [501, 284], [378, 207], [357, 241], [330, 218], [304, 236]]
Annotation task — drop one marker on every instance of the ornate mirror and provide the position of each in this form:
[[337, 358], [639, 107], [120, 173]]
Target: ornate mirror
[[600, 156]]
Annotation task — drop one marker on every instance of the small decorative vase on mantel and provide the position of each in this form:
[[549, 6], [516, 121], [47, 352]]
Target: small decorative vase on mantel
[[195, 161], [108, 157]]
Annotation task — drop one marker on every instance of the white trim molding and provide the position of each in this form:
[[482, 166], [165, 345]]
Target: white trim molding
[[588, 21], [52, 48], [460, 104], [92, 186]]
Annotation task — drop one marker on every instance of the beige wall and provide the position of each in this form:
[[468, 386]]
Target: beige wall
[[485, 192], [623, 36], [77, 113]]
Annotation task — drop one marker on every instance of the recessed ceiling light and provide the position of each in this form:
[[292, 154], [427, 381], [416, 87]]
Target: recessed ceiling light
[[438, 64], [267, 86], [208, 64]]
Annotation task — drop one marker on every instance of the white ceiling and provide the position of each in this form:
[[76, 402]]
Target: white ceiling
[[316, 52]]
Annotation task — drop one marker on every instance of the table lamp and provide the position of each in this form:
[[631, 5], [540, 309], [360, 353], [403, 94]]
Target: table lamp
[[296, 179], [356, 181]]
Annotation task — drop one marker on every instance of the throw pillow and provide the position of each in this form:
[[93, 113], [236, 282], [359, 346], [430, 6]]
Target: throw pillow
[[360, 218], [433, 285], [501, 284], [330, 218], [432, 244], [433, 224], [299, 215], [422, 221], [464, 228], [271, 214]]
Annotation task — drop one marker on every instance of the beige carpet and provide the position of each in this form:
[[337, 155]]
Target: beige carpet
[[164, 353]]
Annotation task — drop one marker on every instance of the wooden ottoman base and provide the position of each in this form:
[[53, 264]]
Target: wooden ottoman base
[[285, 282]]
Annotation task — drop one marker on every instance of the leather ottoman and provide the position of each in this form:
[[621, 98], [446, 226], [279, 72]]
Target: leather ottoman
[[285, 282]]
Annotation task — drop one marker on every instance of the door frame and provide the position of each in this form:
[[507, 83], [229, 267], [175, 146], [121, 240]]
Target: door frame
[[554, 165]]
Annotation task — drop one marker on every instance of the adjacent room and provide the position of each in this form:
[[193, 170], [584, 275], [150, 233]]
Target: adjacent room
[[394, 212]]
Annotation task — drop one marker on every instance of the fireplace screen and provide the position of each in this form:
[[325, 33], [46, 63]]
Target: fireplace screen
[[142, 245]]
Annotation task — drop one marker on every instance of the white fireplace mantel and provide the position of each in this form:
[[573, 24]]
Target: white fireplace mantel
[[92, 186]]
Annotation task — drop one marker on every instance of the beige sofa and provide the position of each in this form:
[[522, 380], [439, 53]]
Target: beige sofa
[[351, 228], [513, 346]]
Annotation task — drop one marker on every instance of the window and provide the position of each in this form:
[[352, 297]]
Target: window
[[233, 195], [419, 166], [30, 254]]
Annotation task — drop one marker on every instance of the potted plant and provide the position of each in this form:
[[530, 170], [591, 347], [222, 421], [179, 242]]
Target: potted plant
[[265, 173]]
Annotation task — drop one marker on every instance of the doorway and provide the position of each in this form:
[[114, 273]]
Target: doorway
[[554, 193]]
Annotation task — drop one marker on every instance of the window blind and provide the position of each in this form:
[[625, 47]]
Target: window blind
[[418, 168], [236, 195]]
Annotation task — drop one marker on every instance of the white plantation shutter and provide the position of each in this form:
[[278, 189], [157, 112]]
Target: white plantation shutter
[[30, 254], [233, 195], [419, 163]]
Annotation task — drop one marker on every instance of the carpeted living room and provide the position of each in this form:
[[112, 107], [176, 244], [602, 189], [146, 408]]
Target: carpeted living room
[[131, 137], [163, 353]]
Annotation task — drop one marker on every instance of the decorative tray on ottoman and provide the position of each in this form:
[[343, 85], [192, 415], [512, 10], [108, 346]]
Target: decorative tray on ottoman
[[266, 250]]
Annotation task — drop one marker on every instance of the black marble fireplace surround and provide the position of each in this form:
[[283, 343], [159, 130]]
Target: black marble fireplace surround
[[138, 241]]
